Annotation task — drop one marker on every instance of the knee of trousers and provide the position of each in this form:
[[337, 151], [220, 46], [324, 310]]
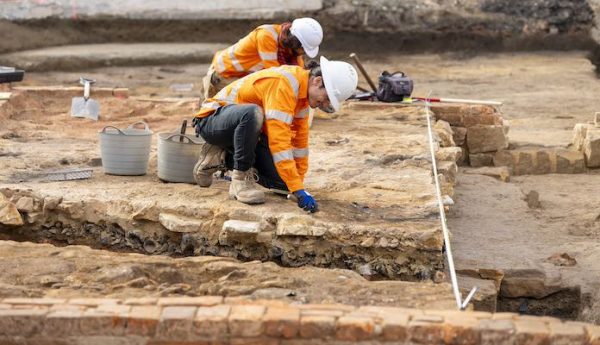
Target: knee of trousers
[[255, 116]]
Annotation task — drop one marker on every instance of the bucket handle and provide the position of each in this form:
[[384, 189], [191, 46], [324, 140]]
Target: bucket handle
[[105, 127], [181, 136], [146, 128]]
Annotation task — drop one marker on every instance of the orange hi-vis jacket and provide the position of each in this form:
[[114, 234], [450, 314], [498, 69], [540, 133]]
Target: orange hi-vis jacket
[[254, 52], [282, 93]]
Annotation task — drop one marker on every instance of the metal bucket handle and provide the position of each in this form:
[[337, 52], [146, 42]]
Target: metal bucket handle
[[132, 126], [182, 136], [118, 130]]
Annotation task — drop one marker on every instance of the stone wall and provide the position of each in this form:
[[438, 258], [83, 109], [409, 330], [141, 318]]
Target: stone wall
[[214, 320]]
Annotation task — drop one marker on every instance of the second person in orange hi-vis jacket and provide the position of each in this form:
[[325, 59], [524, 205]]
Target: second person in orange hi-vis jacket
[[258, 128], [268, 45]]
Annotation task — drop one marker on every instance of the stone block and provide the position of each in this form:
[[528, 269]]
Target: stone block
[[477, 160], [591, 148], [449, 169], [524, 162], [593, 334], [178, 223], [528, 331], [143, 320], [459, 134], [282, 322], [497, 332], [9, 215], [566, 333], [485, 299], [21, 322], [25, 204], [290, 224], [569, 162], [444, 133], [212, 321], [543, 163], [597, 119], [452, 154], [176, 322], [246, 320], [486, 138], [529, 283], [503, 158], [501, 173], [317, 326], [239, 231], [354, 328], [579, 134]]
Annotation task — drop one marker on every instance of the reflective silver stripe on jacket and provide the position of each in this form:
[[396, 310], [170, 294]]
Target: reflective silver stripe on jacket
[[257, 67], [279, 115], [268, 56], [211, 105], [290, 77], [282, 156], [234, 61], [302, 113], [272, 31], [299, 153], [220, 63]]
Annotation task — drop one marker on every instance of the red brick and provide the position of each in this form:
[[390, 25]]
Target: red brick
[[62, 323], [531, 332], [246, 320], [426, 329], [92, 301], [354, 328], [593, 334], [317, 326], [104, 321], [395, 327], [23, 322], [204, 301], [501, 332], [141, 301], [143, 320], [212, 321], [39, 301], [257, 341], [461, 329], [342, 307], [566, 333], [282, 322], [176, 322]]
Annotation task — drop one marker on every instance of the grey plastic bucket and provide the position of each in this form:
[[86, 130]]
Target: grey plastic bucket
[[125, 151], [177, 155]]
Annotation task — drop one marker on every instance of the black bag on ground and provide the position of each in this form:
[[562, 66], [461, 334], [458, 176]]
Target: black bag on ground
[[394, 87]]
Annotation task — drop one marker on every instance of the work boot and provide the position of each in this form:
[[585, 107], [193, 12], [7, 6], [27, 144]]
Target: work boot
[[211, 159], [244, 187]]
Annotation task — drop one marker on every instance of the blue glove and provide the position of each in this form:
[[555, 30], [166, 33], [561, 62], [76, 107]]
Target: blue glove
[[306, 201]]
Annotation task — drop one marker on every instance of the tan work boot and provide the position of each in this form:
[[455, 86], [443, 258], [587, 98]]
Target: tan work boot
[[244, 188], [210, 160]]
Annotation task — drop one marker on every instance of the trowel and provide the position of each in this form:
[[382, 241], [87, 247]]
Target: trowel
[[85, 106]]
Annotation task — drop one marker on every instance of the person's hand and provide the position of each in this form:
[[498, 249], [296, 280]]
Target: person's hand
[[306, 201]]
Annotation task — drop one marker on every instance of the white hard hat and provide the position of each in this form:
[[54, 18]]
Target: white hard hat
[[340, 80], [309, 33]]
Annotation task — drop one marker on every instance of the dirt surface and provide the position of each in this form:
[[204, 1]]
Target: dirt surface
[[545, 94]]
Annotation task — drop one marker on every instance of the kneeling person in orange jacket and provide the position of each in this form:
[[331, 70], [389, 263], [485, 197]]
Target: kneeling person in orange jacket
[[261, 122], [269, 45]]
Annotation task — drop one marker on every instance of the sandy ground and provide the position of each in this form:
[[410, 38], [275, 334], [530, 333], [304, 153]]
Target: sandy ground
[[544, 95]]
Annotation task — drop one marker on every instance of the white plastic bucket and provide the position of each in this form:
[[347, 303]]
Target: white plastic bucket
[[177, 155], [125, 151]]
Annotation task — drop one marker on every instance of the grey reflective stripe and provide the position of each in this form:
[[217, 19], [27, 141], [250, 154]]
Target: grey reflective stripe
[[271, 30], [279, 115], [282, 156], [290, 77], [302, 113], [299, 153], [234, 61], [233, 94], [220, 63], [211, 105], [268, 56], [257, 67]]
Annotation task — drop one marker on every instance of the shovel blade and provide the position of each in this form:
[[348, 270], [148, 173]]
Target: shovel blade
[[88, 108]]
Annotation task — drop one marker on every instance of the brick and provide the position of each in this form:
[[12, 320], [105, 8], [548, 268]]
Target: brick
[[257, 341], [317, 326], [543, 163], [141, 301], [459, 135], [282, 322], [104, 321], [461, 329], [143, 320], [483, 138], [426, 329], [354, 328], [531, 332], [566, 333], [93, 301], [38, 301], [23, 322], [597, 119], [395, 327], [569, 162], [246, 320], [477, 160], [212, 321], [342, 307], [593, 334], [591, 148], [62, 323], [322, 312], [497, 332], [176, 322], [203, 301]]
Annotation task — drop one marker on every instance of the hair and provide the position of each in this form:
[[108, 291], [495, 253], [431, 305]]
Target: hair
[[314, 67], [289, 40]]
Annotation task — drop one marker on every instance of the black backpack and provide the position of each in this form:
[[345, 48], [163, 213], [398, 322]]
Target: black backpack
[[394, 87]]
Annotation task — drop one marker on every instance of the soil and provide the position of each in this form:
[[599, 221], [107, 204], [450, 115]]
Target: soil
[[544, 95]]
